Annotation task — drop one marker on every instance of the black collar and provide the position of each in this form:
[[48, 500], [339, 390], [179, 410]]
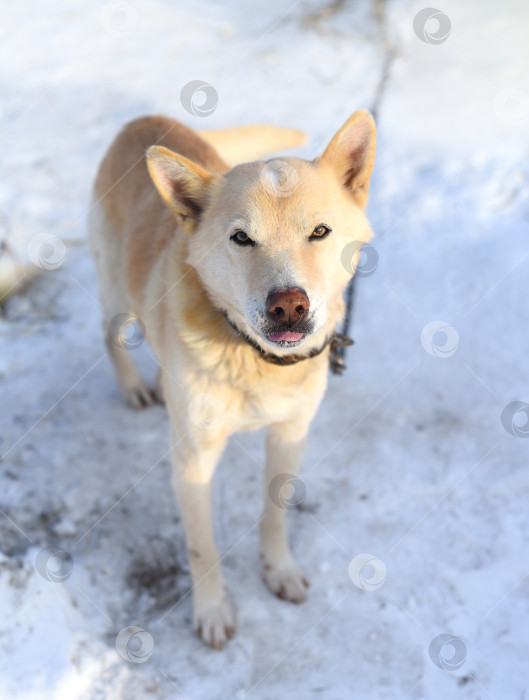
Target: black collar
[[335, 340]]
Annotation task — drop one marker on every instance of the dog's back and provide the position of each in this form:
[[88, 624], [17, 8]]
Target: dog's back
[[123, 182]]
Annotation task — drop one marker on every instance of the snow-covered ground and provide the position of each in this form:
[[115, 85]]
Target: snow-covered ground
[[409, 458]]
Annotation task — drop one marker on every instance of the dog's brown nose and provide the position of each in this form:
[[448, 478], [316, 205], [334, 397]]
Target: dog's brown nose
[[287, 305]]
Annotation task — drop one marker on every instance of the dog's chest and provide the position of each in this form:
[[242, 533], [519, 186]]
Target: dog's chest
[[282, 400]]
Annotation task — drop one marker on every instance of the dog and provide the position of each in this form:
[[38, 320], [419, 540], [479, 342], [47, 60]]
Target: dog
[[236, 275]]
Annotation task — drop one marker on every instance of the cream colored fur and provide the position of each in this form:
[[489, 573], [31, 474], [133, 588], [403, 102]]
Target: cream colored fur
[[244, 143], [175, 266]]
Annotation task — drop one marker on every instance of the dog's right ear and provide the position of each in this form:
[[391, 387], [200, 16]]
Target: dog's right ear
[[182, 184]]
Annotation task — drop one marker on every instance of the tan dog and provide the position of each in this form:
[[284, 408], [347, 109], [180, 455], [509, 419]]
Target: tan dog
[[242, 270]]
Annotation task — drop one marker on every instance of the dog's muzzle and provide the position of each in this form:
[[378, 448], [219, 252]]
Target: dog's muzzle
[[287, 320]]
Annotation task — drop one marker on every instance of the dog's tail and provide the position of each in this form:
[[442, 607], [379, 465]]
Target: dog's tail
[[245, 143]]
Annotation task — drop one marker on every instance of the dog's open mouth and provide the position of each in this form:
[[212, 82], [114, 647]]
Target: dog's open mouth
[[286, 337]]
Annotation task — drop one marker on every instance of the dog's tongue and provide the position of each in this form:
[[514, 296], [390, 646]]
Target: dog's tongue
[[287, 335]]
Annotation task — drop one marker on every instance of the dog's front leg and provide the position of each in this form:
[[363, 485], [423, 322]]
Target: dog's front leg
[[193, 467], [285, 446]]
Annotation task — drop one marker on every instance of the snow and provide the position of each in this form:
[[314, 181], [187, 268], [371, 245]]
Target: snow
[[408, 460]]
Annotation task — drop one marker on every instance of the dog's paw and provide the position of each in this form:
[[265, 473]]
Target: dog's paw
[[288, 582], [215, 624], [139, 395]]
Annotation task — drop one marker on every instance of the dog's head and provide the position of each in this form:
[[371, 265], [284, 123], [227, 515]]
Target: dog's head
[[275, 243]]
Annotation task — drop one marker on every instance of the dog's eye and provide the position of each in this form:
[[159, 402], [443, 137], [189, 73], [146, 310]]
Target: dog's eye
[[320, 232], [241, 238]]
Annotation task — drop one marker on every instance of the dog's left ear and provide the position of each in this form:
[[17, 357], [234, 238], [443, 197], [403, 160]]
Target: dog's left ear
[[351, 154], [182, 184]]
